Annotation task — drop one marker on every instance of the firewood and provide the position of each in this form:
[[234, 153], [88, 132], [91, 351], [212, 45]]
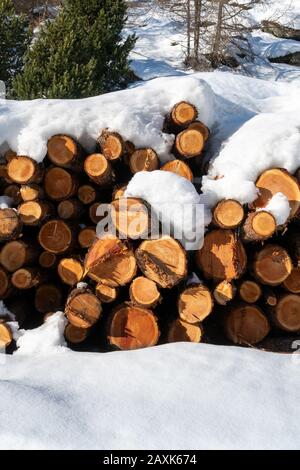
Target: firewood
[[179, 168], [87, 194], [9, 155], [47, 260], [35, 212], [110, 262], [292, 282], [111, 145], [75, 335], [119, 192], [105, 293], [195, 303], [286, 314], [93, 213], [224, 292], [250, 291], [274, 181], [4, 175], [143, 160], [16, 254], [27, 278], [48, 298], [272, 265], [6, 287], [98, 169], [129, 148], [6, 335], [180, 330], [87, 236], [70, 209], [258, 226], [83, 308], [246, 324], [13, 191], [144, 292], [189, 143], [63, 151], [70, 270], [131, 327], [56, 236], [10, 224], [228, 214], [182, 114], [130, 217], [163, 261], [60, 184], [222, 256], [23, 170], [31, 192], [269, 296], [199, 126]]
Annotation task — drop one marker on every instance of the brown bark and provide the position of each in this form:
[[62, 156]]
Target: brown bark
[[272, 265], [16, 254], [246, 324], [195, 303], [70, 271], [258, 226], [10, 224], [144, 292], [83, 308], [98, 169], [143, 160], [65, 152], [179, 168], [23, 170], [60, 184], [228, 214], [56, 236]]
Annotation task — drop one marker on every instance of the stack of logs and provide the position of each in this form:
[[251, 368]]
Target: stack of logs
[[133, 293]]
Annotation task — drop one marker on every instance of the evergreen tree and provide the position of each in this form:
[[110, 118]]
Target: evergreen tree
[[79, 54], [14, 40]]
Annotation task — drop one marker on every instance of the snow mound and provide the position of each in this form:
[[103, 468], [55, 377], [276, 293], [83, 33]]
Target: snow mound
[[279, 207], [137, 114]]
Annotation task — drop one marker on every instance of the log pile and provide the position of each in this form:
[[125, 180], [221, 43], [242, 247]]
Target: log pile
[[120, 291]]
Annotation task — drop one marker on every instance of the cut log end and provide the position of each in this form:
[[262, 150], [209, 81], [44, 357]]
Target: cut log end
[[224, 292], [62, 150], [292, 282], [200, 127], [112, 145], [228, 214], [133, 327], [181, 331], [34, 212], [183, 114], [143, 160], [14, 255], [6, 335], [144, 292], [55, 236], [106, 294], [83, 308], [10, 224], [195, 304], [24, 170], [250, 291], [179, 168], [87, 236], [5, 284], [31, 192], [48, 298], [70, 271], [287, 313], [75, 335], [87, 194], [272, 265], [47, 260], [59, 184], [70, 209], [26, 278], [189, 143], [258, 226], [98, 169], [130, 217], [246, 325]]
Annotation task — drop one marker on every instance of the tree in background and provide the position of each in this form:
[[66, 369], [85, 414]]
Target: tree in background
[[15, 37], [80, 53]]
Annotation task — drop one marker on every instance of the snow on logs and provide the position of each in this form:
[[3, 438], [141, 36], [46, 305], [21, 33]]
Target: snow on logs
[[130, 285]]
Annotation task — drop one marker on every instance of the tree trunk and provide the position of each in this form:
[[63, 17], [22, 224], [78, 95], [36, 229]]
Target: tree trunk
[[6, 336], [200, 127], [258, 226], [228, 214], [6, 288], [195, 303], [31, 192], [75, 335], [246, 324], [216, 46], [182, 114], [144, 292], [272, 265], [47, 260], [87, 194], [83, 308]]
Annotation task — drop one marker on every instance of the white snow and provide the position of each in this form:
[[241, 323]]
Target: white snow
[[5, 313], [5, 202], [279, 207], [268, 46]]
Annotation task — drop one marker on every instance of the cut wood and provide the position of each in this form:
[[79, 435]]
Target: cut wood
[[258, 226], [228, 214], [87, 194], [24, 170], [199, 126], [246, 324], [119, 192], [111, 145], [6, 335], [130, 217], [144, 292], [60, 184], [31, 192], [75, 335], [56, 236], [27, 278], [98, 169], [272, 265], [35, 212], [87, 236], [105, 293], [274, 181], [195, 303], [183, 114], [250, 291], [269, 296], [70, 209], [179, 168], [132, 327], [65, 152], [286, 313], [5, 284], [10, 224], [292, 282], [16, 254], [83, 308], [189, 143], [13, 191], [181, 331], [143, 160], [224, 292], [48, 298], [4, 175], [110, 262], [9, 154], [222, 256], [93, 213], [70, 270], [163, 261], [129, 148], [47, 260]]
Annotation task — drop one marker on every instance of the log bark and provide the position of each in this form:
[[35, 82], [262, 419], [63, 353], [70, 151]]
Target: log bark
[[65, 152], [105, 293], [228, 214], [286, 314], [292, 282], [224, 292], [110, 262], [24, 170], [131, 327], [70, 209], [16, 254], [10, 225], [179, 168], [87, 194], [6, 336], [34, 213], [47, 260], [250, 291], [144, 292], [27, 278], [48, 298], [83, 308], [143, 160], [274, 181], [258, 226], [272, 265], [189, 143], [222, 256], [181, 331], [130, 217], [75, 335], [56, 236], [31, 192], [246, 324], [87, 236], [195, 303], [70, 271], [163, 261], [60, 184], [111, 145], [99, 169]]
